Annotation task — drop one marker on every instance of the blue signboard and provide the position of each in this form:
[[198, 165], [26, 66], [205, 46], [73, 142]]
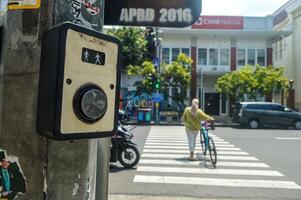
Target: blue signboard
[[157, 97]]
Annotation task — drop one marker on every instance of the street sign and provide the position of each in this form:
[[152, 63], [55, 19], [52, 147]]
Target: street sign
[[159, 13], [23, 4], [157, 97]]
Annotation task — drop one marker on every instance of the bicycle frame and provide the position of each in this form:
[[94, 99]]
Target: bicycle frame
[[204, 132], [208, 143]]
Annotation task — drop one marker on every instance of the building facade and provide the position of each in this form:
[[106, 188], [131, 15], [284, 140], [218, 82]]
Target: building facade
[[287, 48], [218, 45]]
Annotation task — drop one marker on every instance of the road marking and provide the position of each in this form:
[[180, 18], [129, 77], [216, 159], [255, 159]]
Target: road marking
[[186, 152], [286, 138], [178, 139], [179, 142], [209, 171], [217, 182], [170, 144], [183, 147], [187, 162], [178, 136], [153, 155]]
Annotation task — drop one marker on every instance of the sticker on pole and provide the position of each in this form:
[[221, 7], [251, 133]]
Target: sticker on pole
[[159, 13], [23, 4]]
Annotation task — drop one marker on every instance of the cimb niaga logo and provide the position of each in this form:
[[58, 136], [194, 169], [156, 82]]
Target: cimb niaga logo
[[200, 21]]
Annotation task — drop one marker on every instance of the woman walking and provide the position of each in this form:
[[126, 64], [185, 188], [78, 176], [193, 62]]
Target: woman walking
[[192, 117]]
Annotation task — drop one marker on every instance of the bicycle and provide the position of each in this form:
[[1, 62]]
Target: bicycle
[[207, 142]]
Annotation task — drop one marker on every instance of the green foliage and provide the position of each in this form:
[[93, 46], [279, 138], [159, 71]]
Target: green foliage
[[134, 44], [176, 75], [146, 71], [252, 81]]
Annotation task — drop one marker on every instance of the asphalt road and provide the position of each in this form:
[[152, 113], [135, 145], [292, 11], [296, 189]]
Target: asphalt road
[[252, 164]]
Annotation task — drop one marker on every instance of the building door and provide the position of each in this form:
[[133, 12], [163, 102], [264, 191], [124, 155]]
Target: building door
[[212, 103]]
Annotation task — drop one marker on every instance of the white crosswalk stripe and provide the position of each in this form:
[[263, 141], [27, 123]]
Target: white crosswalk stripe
[[170, 144], [185, 152], [164, 161], [183, 147], [177, 142], [153, 155], [197, 163], [209, 171], [217, 182]]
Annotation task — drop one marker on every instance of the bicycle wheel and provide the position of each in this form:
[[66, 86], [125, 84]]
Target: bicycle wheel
[[202, 141], [212, 151]]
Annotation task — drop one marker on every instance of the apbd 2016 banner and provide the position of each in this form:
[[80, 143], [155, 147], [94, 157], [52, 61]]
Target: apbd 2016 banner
[[160, 13]]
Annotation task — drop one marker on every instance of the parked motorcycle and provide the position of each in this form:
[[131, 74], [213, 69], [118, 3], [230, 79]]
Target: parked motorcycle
[[123, 149]]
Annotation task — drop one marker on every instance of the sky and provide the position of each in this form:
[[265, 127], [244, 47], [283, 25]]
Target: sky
[[241, 7]]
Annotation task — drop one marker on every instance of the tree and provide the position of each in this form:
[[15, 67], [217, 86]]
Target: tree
[[270, 79], [175, 75], [146, 71], [134, 45], [252, 82]]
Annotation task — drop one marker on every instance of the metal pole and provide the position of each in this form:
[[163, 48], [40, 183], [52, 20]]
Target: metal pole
[[102, 173], [157, 43]]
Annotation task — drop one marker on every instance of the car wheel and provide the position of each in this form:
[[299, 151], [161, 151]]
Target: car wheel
[[254, 123], [298, 125]]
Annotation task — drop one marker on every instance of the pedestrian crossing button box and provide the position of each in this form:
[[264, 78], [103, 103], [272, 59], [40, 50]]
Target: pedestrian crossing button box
[[79, 83]]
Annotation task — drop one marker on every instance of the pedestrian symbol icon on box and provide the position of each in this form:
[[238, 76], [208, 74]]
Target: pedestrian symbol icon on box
[[93, 57]]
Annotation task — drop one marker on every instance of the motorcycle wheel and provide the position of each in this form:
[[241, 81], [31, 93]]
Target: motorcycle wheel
[[129, 156]]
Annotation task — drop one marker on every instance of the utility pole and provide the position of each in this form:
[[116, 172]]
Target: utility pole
[[157, 44], [53, 170]]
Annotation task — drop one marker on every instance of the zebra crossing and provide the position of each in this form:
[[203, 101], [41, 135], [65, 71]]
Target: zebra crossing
[[164, 161]]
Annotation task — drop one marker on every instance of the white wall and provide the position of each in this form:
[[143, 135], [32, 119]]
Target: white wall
[[213, 43], [176, 41], [297, 61], [291, 47]]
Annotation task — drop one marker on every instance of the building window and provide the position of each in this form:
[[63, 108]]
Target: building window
[[165, 55], [202, 56], [261, 57], [170, 54], [213, 57], [174, 53], [241, 57], [186, 51], [224, 57], [251, 57]]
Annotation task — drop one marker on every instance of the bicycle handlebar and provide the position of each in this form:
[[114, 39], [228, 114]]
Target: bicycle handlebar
[[206, 125], [212, 125]]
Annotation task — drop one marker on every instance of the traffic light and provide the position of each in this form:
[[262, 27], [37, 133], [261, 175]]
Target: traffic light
[[79, 83], [151, 46], [158, 83]]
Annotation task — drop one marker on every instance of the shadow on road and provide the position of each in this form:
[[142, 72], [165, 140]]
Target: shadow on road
[[205, 162], [114, 168]]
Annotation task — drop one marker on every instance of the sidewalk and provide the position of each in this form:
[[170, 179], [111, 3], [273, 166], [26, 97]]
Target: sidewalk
[[144, 197]]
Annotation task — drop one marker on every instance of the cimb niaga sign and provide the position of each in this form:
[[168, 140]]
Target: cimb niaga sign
[[219, 22], [161, 13]]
